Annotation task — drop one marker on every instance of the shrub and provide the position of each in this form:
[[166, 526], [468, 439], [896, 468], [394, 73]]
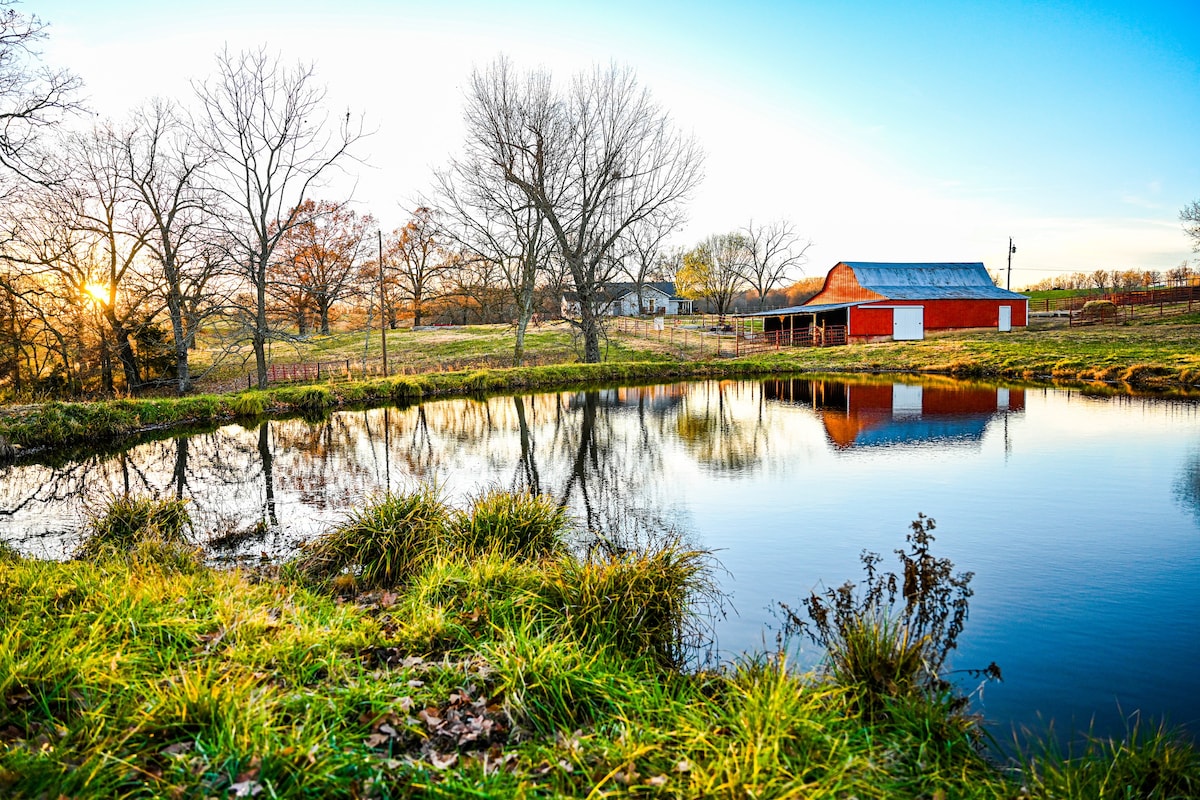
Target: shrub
[[383, 544], [521, 525]]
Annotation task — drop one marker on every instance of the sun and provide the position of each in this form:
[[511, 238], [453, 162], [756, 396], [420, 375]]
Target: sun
[[98, 292]]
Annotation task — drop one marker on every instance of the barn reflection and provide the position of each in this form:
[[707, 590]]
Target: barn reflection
[[887, 413]]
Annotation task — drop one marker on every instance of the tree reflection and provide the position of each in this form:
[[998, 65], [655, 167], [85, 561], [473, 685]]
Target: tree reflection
[[1187, 486]]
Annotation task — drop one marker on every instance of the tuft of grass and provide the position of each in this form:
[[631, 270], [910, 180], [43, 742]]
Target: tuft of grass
[[1148, 763], [248, 404], [638, 603], [383, 544], [516, 524], [142, 529]]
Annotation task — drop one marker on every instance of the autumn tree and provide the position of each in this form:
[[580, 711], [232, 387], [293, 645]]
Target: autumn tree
[[419, 260], [713, 270], [319, 261], [593, 159], [773, 252], [270, 145]]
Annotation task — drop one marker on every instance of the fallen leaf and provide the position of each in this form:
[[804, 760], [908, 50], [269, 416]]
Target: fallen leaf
[[443, 761], [246, 788]]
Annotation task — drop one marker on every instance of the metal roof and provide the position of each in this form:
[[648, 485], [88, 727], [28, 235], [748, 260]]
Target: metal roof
[[784, 312], [930, 281]]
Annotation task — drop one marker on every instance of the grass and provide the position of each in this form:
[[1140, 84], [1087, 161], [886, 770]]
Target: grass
[[475, 674]]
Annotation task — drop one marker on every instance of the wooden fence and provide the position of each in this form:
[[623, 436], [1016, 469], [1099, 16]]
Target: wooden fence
[[1177, 295]]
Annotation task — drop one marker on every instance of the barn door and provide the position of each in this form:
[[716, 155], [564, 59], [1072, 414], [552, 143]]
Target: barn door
[[1005, 319], [908, 323]]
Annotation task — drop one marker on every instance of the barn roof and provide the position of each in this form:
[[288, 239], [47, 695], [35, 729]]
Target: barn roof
[[929, 281], [784, 312]]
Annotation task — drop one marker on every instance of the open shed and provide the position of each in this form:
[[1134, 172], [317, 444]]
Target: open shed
[[870, 301]]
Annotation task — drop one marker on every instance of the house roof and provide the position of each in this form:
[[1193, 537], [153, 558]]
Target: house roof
[[929, 281], [615, 291]]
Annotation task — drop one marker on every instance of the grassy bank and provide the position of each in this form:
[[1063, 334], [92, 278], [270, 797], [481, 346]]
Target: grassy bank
[[1141, 355], [1145, 356], [485, 660]]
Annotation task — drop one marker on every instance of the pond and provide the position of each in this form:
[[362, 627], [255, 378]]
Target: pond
[[1079, 515]]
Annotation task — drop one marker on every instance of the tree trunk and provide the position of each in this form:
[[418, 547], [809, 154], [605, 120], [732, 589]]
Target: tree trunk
[[125, 355], [590, 325], [260, 324], [323, 310], [183, 377]]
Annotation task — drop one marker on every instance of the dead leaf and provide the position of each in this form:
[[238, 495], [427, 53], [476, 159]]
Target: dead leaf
[[443, 761], [657, 780], [246, 788]]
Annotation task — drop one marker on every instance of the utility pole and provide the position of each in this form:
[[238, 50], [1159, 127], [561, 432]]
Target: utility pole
[[382, 305], [1008, 280]]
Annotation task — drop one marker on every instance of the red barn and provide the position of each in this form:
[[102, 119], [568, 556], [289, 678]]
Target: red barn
[[869, 301]]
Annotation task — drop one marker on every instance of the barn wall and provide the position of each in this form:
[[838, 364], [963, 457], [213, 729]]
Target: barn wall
[[939, 315]]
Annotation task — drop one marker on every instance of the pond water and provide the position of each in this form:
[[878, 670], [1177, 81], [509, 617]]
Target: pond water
[[1078, 515]]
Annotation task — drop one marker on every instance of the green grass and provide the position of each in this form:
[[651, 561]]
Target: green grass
[[473, 674]]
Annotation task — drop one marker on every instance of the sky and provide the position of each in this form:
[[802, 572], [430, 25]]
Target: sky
[[905, 131]]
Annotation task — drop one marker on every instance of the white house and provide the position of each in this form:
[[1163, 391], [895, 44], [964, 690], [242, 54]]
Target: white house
[[621, 299]]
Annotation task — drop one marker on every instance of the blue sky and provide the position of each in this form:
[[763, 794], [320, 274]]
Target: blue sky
[[884, 131]]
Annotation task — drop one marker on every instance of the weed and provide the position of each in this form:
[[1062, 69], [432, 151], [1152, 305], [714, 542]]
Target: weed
[[882, 648], [248, 404], [1148, 763]]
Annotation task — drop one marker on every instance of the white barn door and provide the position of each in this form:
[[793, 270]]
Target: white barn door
[[1005, 319], [908, 323]]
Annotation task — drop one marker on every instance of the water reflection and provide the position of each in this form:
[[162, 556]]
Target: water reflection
[[874, 413], [1077, 514]]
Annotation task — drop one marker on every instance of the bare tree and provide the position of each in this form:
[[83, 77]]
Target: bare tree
[[33, 97], [161, 160], [594, 160], [493, 219], [270, 146], [773, 250], [98, 202], [1189, 215], [643, 254]]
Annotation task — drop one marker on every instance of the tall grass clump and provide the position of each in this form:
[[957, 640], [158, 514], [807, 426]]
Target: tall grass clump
[[513, 524], [889, 637], [640, 603], [141, 528], [248, 404], [383, 544]]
